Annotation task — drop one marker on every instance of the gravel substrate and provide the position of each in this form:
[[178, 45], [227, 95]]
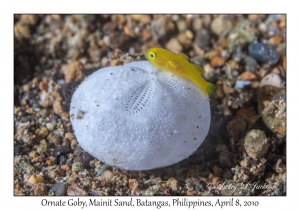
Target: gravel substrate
[[244, 55]]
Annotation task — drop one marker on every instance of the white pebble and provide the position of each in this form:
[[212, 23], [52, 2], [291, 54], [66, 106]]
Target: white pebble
[[271, 79], [49, 126]]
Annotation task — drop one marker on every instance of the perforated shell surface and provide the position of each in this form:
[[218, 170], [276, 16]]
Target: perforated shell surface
[[137, 117]]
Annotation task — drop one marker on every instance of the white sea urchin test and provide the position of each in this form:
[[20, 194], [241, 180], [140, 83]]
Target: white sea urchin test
[[137, 117]]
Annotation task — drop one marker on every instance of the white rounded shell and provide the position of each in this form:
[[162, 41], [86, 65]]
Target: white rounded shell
[[137, 117]]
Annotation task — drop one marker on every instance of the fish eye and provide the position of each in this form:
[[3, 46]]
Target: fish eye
[[151, 55]]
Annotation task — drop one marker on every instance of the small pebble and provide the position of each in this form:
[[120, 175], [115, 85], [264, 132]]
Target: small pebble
[[256, 144], [237, 53], [65, 167], [42, 147], [54, 139], [181, 25], [74, 72], [236, 127], [244, 163], [33, 154], [197, 24], [249, 115], [217, 62], [77, 166], [34, 179], [106, 176], [174, 46], [191, 193], [49, 126], [263, 53], [115, 62], [274, 40], [73, 143], [279, 167], [43, 85], [63, 159], [184, 40], [271, 79], [216, 180], [144, 19], [203, 37], [251, 63], [241, 84], [221, 26], [40, 190], [247, 75], [146, 34], [227, 89], [29, 19], [128, 31], [133, 186], [242, 34], [69, 136], [21, 30], [43, 132], [53, 174], [76, 190], [100, 169], [173, 183]]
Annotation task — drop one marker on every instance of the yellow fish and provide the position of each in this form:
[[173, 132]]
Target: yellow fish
[[179, 65]]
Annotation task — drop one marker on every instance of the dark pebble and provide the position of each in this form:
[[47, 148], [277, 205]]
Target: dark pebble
[[251, 64], [92, 164], [63, 159], [200, 187], [237, 53], [203, 37], [69, 163], [249, 115], [254, 191], [62, 150], [20, 150], [263, 53], [278, 97], [23, 119], [59, 189], [236, 127], [82, 157], [227, 175]]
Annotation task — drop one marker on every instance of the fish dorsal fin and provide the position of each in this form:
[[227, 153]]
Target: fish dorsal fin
[[184, 56], [173, 63], [199, 68]]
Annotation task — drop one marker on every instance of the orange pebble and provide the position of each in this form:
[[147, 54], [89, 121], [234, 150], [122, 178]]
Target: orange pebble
[[217, 62], [43, 85], [247, 75]]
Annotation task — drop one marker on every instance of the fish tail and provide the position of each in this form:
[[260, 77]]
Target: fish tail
[[210, 89]]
